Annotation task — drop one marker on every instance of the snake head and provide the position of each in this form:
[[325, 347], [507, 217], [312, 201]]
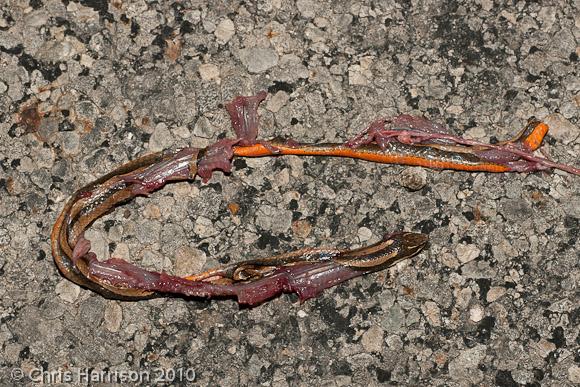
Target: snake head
[[411, 243], [391, 249]]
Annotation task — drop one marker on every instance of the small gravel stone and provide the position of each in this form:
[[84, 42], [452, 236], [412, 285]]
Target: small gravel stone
[[465, 365], [224, 31], [495, 292], [301, 228], [71, 143], [67, 290], [449, 260], [413, 178], [372, 339], [12, 351], [209, 72], [361, 74], [476, 313], [574, 374], [153, 260], [121, 251], [208, 25], [432, 313], [99, 243], [394, 342], [478, 132], [188, 261], [274, 219], [562, 129], [204, 227], [364, 234], [258, 60], [466, 253], [113, 316], [307, 8], [277, 101], [152, 211], [544, 347], [393, 319], [161, 138]]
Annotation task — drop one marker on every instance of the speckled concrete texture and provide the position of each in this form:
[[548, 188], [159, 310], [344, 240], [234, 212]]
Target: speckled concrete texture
[[87, 85]]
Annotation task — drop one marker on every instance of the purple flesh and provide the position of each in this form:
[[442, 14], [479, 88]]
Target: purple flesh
[[82, 249], [217, 156], [497, 156], [244, 117], [406, 121], [175, 167], [306, 280], [402, 124]]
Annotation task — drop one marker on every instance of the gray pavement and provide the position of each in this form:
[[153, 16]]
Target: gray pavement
[[86, 86]]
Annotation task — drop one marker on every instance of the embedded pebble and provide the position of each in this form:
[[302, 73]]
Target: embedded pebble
[[307, 8], [562, 129], [152, 211], [413, 178], [466, 253], [258, 59], [455, 110], [204, 227], [67, 290], [182, 131], [209, 72], [574, 374], [71, 143], [188, 261], [301, 228], [121, 251], [203, 128], [274, 219], [394, 342], [364, 234], [476, 313], [393, 319], [432, 313], [465, 366], [99, 243], [12, 351], [544, 347], [161, 138], [372, 339], [153, 260], [113, 316], [449, 260], [495, 292], [478, 132], [361, 74], [277, 101], [224, 31], [208, 25]]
